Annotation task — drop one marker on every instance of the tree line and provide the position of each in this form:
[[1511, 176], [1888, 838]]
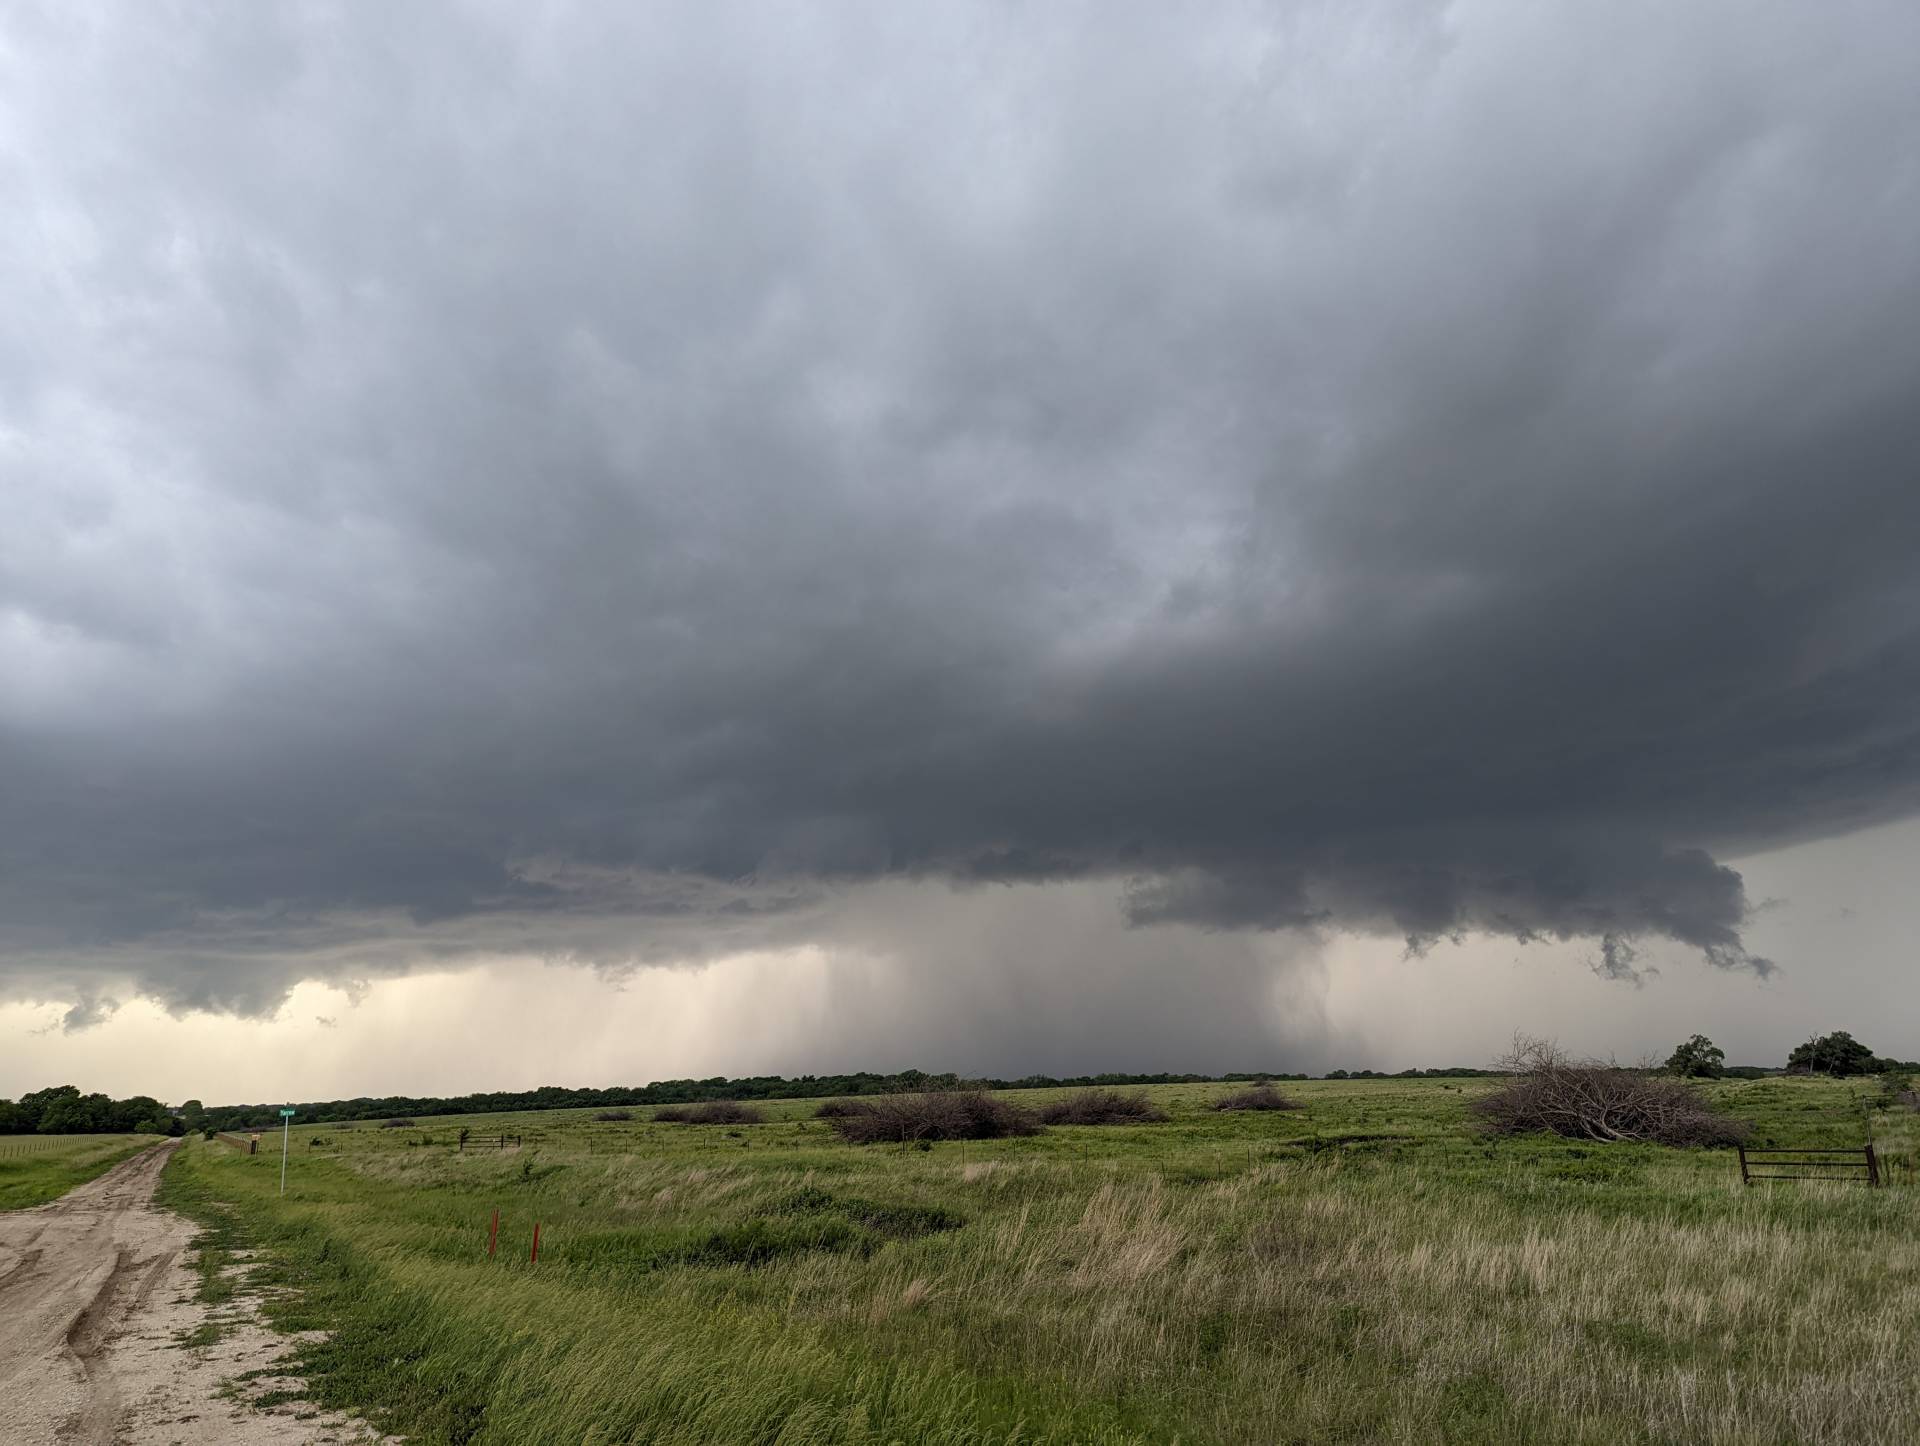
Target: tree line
[[63, 1110], [720, 1087], [1838, 1054]]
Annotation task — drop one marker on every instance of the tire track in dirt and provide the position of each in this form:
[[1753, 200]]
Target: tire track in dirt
[[85, 1337]]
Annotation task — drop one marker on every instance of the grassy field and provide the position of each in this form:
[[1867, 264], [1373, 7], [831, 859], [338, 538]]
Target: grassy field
[[1367, 1269], [37, 1168]]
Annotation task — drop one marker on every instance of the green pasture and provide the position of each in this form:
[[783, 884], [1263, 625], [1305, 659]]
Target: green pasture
[[1365, 1269]]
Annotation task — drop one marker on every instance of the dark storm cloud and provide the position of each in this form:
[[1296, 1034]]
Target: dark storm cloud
[[597, 482]]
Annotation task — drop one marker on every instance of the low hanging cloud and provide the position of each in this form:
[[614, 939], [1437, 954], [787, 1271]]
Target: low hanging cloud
[[609, 487]]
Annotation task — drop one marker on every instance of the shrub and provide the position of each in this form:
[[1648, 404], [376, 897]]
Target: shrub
[[397, 1125], [714, 1112], [1587, 1100], [1897, 1091], [1102, 1107], [610, 1117], [952, 1115], [1260, 1097], [840, 1109]]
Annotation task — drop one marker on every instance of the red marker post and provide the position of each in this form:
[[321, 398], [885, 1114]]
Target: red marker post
[[534, 1258], [493, 1234]]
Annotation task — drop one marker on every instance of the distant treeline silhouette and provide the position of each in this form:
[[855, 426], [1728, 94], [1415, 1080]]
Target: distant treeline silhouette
[[755, 1087], [64, 1110]]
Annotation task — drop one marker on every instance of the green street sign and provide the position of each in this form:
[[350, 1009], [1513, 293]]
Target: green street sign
[[286, 1114]]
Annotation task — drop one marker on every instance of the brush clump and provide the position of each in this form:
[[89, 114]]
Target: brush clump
[[1549, 1091], [949, 1115], [1261, 1097], [840, 1109], [714, 1112], [1103, 1107]]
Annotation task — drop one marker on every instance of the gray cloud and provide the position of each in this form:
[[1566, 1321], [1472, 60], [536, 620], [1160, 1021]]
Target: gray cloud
[[600, 486]]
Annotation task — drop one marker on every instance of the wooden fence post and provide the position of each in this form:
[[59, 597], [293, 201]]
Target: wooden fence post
[[1745, 1178], [1873, 1168]]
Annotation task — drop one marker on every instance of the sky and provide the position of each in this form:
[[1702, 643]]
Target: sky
[[582, 544]]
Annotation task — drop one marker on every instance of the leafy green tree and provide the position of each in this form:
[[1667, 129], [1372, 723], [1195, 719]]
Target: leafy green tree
[[1836, 1054], [63, 1110], [34, 1105], [1698, 1058], [138, 1113]]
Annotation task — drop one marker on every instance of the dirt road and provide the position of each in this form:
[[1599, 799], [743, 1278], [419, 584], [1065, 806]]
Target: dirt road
[[95, 1296]]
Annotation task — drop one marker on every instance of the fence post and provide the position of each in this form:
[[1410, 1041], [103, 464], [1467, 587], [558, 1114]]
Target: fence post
[[1745, 1179], [1873, 1168]]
